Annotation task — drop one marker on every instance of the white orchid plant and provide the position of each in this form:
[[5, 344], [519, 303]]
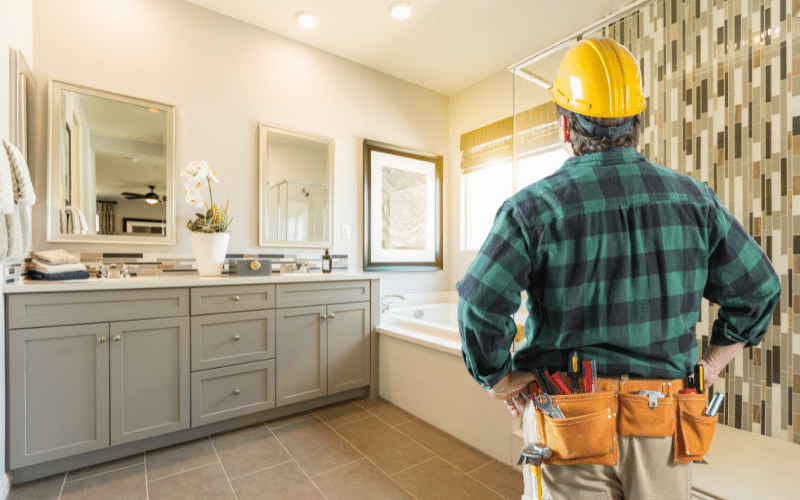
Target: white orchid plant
[[199, 176]]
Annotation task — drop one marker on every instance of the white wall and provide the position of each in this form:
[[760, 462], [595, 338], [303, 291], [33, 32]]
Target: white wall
[[480, 104], [224, 77], [15, 33]]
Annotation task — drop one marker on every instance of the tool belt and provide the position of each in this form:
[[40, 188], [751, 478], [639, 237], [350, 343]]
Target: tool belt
[[588, 433]]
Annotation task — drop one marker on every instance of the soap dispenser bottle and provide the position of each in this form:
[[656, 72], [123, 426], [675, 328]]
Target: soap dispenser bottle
[[326, 262]]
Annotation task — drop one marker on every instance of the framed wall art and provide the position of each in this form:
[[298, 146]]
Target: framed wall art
[[402, 209]]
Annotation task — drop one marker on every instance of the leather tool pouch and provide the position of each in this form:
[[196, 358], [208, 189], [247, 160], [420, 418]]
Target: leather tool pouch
[[694, 432], [587, 433], [636, 418]]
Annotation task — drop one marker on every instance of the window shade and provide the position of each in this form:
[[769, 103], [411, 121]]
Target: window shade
[[537, 131], [487, 145]]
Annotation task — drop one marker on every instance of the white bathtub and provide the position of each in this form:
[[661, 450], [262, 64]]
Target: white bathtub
[[422, 371]]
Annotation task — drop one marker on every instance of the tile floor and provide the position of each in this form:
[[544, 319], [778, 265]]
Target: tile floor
[[365, 449]]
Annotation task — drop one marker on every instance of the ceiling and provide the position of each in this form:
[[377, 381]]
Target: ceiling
[[444, 46]]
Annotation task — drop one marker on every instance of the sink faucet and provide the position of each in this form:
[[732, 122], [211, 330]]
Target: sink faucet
[[385, 303]]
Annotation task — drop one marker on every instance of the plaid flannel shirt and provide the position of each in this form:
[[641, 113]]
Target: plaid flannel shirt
[[615, 254]]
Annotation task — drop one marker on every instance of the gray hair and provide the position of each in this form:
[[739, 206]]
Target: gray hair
[[583, 143]]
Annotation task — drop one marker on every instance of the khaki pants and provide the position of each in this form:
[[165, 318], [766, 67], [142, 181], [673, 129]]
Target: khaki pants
[[644, 472]]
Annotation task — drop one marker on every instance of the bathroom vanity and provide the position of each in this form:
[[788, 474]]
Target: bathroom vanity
[[101, 369]]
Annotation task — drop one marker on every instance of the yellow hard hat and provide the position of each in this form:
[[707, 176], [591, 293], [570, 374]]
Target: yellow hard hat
[[600, 78]]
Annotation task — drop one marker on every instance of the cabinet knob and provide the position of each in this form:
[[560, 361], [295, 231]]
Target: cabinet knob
[[322, 316], [236, 337], [117, 338], [236, 392], [330, 316], [101, 339], [236, 298]]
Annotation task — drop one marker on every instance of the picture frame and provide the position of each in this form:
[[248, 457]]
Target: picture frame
[[402, 208], [143, 226]]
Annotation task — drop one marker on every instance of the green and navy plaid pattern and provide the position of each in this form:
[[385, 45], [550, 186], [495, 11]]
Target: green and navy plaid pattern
[[615, 254]]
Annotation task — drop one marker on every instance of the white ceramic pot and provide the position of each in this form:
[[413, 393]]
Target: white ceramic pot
[[209, 252]]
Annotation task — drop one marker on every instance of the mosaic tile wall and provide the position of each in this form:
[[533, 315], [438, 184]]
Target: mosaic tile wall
[[156, 264], [722, 80]]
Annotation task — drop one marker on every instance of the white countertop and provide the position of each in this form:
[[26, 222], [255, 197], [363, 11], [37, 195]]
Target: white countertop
[[169, 280]]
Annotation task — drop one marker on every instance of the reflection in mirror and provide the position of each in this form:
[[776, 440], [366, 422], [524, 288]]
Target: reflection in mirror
[[296, 188], [111, 168]]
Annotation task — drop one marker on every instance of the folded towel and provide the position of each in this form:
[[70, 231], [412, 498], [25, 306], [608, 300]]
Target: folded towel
[[72, 275], [6, 186], [45, 268], [59, 256], [20, 176]]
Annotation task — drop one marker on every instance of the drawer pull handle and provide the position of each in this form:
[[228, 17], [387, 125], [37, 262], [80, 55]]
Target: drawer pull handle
[[330, 316], [236, 392], [117, 338], [236, 298], [101, 340], [236, 337]]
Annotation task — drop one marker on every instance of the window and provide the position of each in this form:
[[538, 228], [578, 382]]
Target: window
[[489, 174]]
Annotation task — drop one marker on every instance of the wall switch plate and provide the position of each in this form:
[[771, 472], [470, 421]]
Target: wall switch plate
[[345, 232]]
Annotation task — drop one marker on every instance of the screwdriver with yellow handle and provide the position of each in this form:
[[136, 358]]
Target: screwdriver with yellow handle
[[533, 454]]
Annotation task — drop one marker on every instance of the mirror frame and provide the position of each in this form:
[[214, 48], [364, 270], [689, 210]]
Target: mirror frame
[[263, 175], [53, 169]]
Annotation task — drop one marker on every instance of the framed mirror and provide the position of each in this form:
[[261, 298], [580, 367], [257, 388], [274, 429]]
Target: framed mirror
[[295, 188], [111, 159]]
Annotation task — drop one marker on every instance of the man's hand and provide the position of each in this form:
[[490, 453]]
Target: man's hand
[[512, 390], [716, 358]]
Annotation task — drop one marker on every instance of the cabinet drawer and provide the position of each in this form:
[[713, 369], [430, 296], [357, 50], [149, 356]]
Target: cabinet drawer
[[232, 298], [312, 294], [74, 308], [224, 393], [227, 339]]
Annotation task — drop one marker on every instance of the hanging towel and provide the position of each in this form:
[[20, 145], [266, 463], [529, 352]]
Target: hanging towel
[[3, 238], [64, 218], [20, 175], [26, 228], [79, 225], [14, 230], [44, 268], [59, 256], [6, 186], [70, 275]]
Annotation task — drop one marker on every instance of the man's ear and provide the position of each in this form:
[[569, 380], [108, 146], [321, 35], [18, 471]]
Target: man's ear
[[562, 119]]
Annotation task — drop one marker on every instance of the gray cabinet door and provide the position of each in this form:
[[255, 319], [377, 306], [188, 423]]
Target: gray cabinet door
[[149, 378], [58, 392], [301, 346], [348, 346]]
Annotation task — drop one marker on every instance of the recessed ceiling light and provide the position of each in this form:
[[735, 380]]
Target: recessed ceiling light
[[154, 110], [400, 10], [306, 19]]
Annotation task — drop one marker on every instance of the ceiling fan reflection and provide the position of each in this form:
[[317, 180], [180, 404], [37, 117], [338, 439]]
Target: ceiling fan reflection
[[151, 197]]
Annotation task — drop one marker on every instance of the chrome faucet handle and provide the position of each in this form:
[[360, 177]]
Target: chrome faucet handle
[[102, 270], [125, 273]]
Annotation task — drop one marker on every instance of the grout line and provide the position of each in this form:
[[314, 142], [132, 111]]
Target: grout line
[[64, 483], [183, 471], [298, 465], [373, 463], [340, 466], [350, 422], [310, 416], [223, 469], [412, 466], [101, 473], [261, 470]]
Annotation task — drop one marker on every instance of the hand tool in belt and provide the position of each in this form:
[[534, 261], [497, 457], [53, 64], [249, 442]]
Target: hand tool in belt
[[573, 370], [533, 454], [547, 405]]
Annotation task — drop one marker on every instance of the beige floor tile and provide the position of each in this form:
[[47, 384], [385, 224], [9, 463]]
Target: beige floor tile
[[93, 470], [205, 483], [438, 480], [500, 478], [128, 483], [360, 480], [291, 419], [285, 481], [179, 458], [463, 456], [315, 446], [342, 414], [48, 488], [386, 447], [386, 411], [248, 450]]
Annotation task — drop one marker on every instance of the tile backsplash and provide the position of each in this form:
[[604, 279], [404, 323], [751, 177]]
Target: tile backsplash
[[151, 264], [722, 81]]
